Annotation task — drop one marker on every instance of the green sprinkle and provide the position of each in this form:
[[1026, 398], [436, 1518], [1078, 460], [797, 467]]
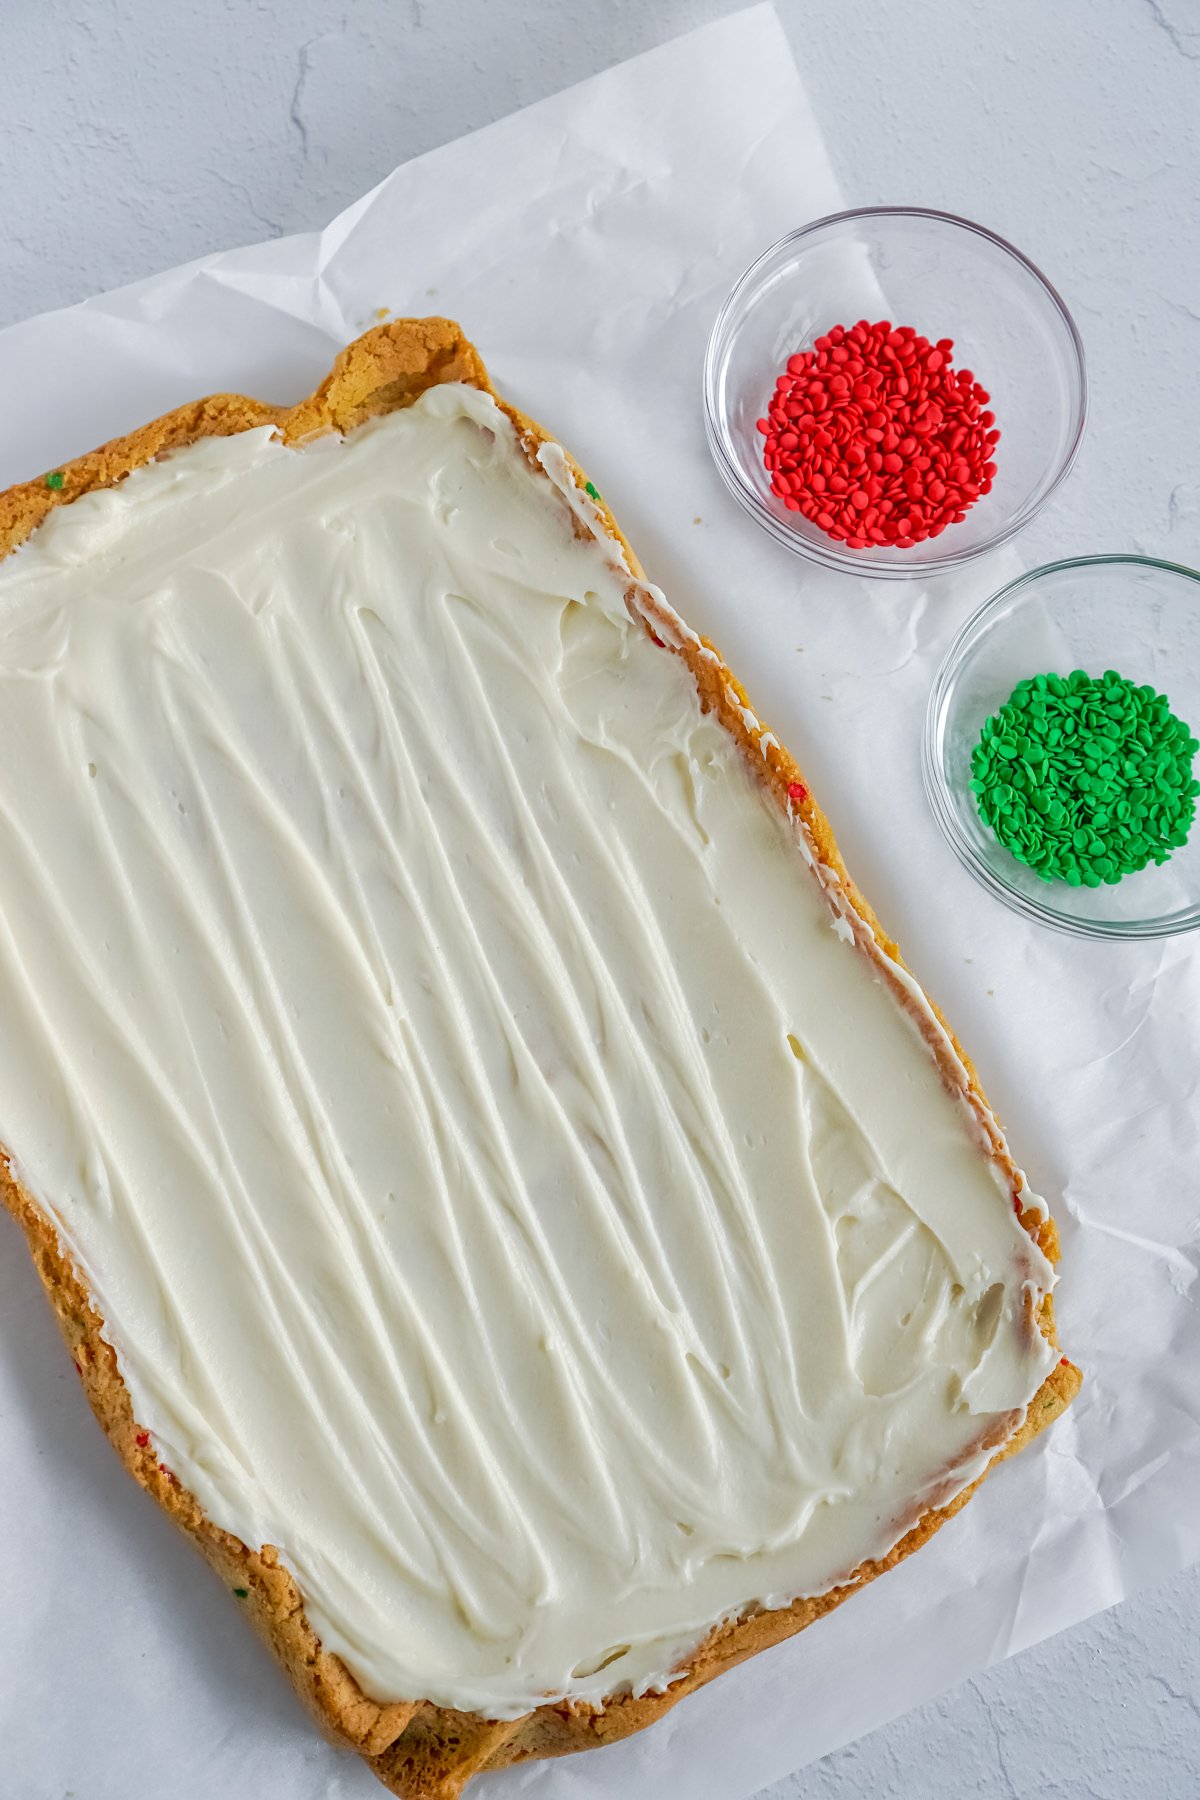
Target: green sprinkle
[[591, 491], [56, 480], [1086, 778], [242, 1593]]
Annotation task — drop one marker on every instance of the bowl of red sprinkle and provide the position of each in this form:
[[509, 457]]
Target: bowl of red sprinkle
[[1061, 748], [893, 391]]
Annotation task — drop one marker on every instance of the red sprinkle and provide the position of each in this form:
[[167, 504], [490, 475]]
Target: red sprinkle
[[797, 792], [876, 437], [142, 1439]]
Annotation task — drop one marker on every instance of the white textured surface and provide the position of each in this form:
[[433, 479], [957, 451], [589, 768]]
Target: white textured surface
[[134, 136]]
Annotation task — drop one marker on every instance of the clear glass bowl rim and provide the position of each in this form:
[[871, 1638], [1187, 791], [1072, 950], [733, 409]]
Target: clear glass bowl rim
[[861, 562], [936, 786]]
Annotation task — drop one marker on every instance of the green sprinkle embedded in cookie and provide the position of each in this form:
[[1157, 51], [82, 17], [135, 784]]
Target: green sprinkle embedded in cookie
[[56, 480], [591, 490], [242, 1593]]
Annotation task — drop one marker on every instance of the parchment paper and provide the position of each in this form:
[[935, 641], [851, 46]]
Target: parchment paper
[[586, 244]]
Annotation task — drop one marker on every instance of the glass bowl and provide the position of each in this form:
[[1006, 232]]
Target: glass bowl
[[946, 278], [1128, 613]]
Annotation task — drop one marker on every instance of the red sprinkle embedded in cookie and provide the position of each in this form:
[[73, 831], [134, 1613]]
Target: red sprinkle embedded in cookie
[[142, 1439], [876, 438], [797, 792]]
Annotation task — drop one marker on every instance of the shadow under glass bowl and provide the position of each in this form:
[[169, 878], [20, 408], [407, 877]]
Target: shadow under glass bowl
[[1128, 613], [945, 277]]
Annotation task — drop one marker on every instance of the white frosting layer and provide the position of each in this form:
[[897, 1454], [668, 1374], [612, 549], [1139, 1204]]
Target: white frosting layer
[[506, 1190]]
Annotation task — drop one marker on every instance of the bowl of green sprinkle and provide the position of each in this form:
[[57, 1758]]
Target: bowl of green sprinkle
[[1060, 753]]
